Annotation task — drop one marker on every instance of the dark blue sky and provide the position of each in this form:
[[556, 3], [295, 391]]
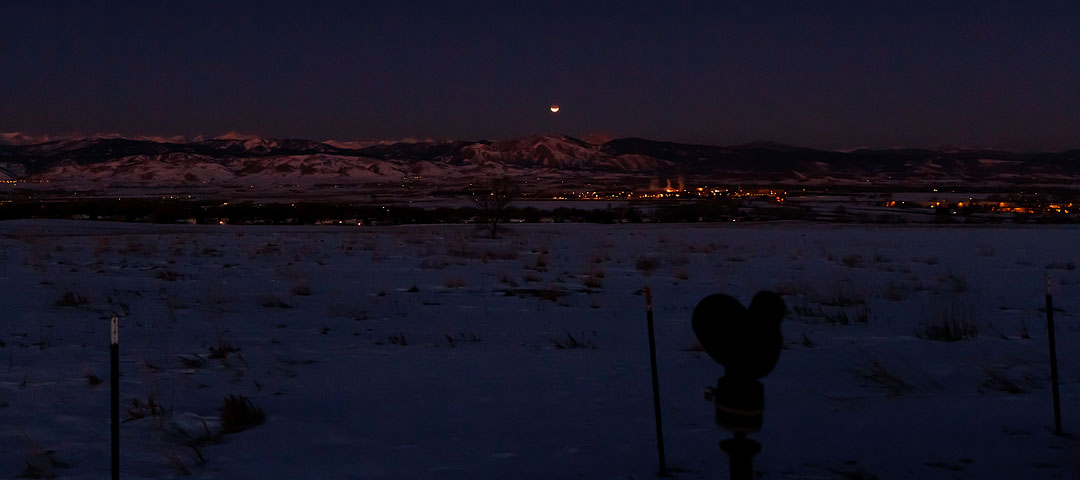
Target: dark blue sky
[[821, 74]]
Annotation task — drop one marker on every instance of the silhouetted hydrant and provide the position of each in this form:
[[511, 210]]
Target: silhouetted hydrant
[[747, 343]]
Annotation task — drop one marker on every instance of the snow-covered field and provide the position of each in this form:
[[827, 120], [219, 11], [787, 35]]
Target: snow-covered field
[[361, 375]]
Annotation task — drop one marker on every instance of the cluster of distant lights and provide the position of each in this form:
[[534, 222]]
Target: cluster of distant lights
[[996, 206], [670, 193]]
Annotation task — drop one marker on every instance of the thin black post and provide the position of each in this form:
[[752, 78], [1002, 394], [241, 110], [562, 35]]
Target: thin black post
[[114, 380], [655, 383], [741, 451], [1053, 359]]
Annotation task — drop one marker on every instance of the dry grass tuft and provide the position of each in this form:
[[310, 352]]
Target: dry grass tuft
[[950, 320], [435, 263], [646, 265], [541, 263], [272, 300], [790, 288], [149, 407], [682, 273], [952, 282], [302, 289], [878, 375], [72, 299], [930, 260], [453, 341], [860, 314], [239, 413], [40, 463], [997, 380], [893, 291], [1061, 266], [454, 282], [571, 342], [169, 275], [594, 277], [398, 339], [592, 280], [851, 261]]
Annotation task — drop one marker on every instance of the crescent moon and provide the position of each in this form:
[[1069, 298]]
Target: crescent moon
[[554, 108]]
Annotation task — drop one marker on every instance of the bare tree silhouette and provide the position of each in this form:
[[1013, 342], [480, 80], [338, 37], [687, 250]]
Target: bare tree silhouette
[[493, 200]]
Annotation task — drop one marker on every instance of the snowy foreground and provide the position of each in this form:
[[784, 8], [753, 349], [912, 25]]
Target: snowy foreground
[[362, 376]]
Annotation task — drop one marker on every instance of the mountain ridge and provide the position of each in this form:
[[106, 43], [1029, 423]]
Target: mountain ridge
[[237, 157]]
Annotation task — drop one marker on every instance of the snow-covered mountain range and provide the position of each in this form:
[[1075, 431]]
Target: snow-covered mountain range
[[253, 160]]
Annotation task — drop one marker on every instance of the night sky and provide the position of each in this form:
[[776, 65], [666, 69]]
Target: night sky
[[820, 74]]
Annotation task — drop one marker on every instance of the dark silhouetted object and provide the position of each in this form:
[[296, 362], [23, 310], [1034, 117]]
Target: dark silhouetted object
[[1053, 359], [114, 383], [493, 201], [655, 383], [747, 343]]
